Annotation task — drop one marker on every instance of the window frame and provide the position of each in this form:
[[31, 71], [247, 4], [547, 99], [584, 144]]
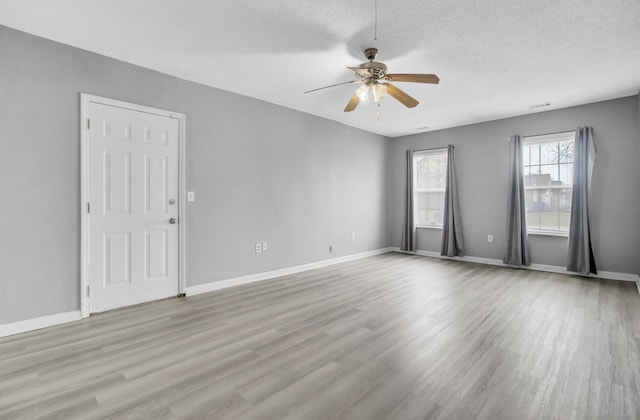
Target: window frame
[[417, 154], [546, 139]]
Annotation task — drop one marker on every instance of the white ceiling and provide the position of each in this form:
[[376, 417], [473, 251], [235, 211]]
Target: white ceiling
[[495, 58]]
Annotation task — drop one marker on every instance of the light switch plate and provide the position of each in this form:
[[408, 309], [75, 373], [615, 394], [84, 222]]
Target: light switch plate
[[191, 196]]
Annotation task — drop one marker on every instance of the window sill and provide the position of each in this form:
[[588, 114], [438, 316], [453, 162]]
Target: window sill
[[543, 233], [429, 227]]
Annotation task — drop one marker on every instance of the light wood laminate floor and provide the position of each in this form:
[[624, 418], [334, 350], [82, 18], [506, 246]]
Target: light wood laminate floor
[[392, 336]]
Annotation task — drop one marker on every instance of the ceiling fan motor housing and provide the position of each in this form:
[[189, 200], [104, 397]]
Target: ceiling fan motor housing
[[377, 70], [370, 53]]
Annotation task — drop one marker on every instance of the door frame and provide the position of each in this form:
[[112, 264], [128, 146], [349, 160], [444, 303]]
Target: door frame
[[85, 171]]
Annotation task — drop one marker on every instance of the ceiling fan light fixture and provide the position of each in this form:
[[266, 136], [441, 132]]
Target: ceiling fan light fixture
[[363, 92], [373, 75], [379, 91]]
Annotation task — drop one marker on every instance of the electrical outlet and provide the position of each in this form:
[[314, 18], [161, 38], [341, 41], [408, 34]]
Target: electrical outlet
[[353, 235], [265, 246], [490, 238], [258, 248]]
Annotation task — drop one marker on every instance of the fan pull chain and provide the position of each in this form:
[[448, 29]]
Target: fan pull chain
[[378, 113]]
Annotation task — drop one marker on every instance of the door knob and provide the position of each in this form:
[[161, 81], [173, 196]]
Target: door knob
[[173, 220], [172, 201]]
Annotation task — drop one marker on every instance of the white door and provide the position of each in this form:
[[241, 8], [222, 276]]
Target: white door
[[133, 199]]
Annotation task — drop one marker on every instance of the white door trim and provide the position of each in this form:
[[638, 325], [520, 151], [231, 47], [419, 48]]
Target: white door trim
[[85, 101]]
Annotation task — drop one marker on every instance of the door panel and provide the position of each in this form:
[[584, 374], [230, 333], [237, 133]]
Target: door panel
[[117, 182], [156, 184], [156, 254], [156, 136], [133, 187], [117, 131], [117, 258]]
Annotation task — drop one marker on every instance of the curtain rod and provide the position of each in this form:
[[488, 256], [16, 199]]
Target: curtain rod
[[546, 134], [433, 148]]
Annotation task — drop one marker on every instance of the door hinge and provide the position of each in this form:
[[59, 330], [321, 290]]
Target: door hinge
[[88, 123], [88, 290], [88, 207]]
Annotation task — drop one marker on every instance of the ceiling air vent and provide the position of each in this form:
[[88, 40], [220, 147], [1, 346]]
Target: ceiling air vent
[[538, 106]]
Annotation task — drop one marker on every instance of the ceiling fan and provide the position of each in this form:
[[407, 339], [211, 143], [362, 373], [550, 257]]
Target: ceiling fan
[[373, 76]]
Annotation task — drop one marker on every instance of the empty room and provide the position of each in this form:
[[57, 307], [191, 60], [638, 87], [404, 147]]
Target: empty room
[[372, 209]]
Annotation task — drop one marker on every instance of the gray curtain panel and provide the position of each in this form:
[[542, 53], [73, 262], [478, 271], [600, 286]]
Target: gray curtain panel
[[408, 242], [580, 256], [517, 244], [452, 244]]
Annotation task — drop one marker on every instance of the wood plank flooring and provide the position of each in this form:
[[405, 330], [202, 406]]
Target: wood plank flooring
[[393, 336]]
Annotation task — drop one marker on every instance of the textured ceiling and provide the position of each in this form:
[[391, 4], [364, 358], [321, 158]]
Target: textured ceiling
[[494, 58]]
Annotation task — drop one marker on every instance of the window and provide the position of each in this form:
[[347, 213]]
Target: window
[[548, 182], [429, 182]]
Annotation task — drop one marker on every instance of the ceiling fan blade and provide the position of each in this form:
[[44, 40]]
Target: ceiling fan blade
[[418, 78], [362, 72], [401, 96], [353, 103], [337, 84]]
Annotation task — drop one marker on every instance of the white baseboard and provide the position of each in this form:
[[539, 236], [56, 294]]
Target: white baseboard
[[609, 275], [37, 323], [62, 318], [217, 285]]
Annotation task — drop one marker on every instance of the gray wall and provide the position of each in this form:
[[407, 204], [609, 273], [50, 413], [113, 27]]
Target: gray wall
[[481, 164], [261, 173]]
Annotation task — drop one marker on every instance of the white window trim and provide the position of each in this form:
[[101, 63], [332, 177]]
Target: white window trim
[[548, 187], [545, 138], [420, 153], [429, 190], [428, 152], [541, 232]]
